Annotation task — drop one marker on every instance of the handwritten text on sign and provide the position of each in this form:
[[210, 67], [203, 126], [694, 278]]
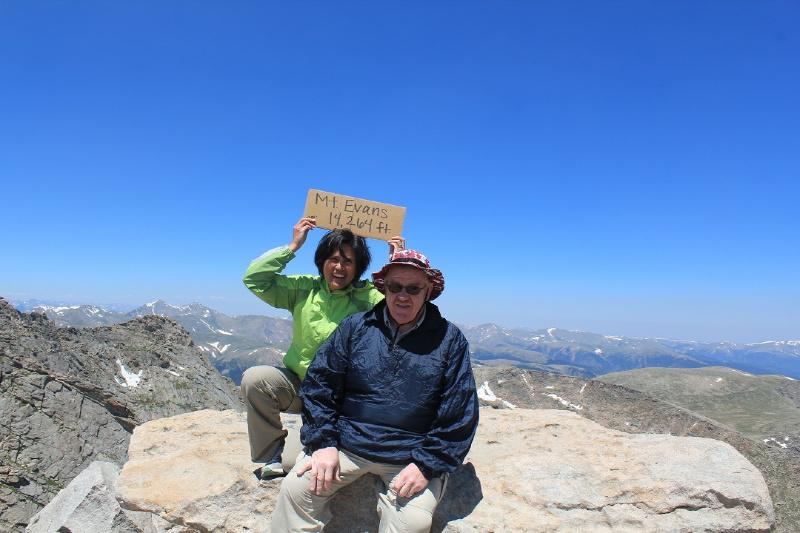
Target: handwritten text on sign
[[362, 217]]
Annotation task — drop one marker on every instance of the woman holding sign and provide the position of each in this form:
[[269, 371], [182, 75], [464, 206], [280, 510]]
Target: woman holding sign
[[317, 304]]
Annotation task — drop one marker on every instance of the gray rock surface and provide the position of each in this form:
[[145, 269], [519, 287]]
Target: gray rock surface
[[71, 396], [88, 505], [528, 470]]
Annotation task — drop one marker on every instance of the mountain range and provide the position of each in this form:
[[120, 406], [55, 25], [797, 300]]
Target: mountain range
[[590, 354], [233, 343], [70, 395]]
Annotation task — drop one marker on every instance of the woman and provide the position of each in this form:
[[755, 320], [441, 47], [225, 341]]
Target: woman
[[317, 304]]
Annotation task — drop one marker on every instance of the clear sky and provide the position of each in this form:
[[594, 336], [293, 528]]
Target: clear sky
[[619, 167]]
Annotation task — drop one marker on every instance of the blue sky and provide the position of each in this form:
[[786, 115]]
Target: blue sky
[[619, 167]]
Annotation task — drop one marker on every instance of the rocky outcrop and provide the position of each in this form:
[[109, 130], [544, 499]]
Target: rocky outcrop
[[631, 411], [571, 474], [88, 504], [71, 396], [528, 470]]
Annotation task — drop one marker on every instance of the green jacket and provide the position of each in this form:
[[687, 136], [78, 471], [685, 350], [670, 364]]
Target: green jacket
[[316, 311]]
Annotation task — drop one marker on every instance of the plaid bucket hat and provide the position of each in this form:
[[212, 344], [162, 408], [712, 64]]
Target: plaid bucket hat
[[414, 259]]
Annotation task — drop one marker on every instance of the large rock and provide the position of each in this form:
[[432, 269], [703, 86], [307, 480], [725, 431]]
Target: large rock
[[528, 470], [88, 505], [552, 470], [631, 411], [194, 470]]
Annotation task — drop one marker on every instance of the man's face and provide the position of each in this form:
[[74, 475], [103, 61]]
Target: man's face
[[404, 307], [340, 268]]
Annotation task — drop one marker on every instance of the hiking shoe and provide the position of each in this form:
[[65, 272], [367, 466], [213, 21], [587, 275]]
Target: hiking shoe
[[271, 470]]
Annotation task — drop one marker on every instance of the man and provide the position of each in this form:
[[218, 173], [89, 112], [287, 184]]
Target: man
[[391, 392]]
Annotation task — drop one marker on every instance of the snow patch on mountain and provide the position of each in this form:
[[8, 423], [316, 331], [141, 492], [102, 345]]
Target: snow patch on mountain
[[485, 393], [778, 343], [207, 324], [564, 402], [130, 378], [216, 345], [776, 441], [47, 308]]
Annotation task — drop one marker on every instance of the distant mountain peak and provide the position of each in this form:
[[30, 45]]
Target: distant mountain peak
[[53, 309]]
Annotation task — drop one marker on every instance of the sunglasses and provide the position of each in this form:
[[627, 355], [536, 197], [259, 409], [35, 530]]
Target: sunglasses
[[411, 290]]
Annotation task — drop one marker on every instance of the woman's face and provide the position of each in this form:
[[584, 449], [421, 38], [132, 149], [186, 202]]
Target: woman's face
[[340, 268]]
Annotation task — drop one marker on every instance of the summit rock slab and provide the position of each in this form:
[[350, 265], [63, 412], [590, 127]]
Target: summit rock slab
[[528, 470], [553, 470]]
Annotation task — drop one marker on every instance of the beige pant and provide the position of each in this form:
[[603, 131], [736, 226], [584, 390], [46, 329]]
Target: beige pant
[[267, 391], [298, 510]]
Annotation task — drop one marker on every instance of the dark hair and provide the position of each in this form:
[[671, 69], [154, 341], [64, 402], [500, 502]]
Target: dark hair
[[335, 240]]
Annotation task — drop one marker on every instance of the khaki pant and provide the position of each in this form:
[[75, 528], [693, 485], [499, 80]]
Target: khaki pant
[[296, 509], [268, 391]]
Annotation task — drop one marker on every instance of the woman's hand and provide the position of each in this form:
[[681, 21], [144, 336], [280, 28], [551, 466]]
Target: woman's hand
[[396, 243], [300, 232], [324, 466]]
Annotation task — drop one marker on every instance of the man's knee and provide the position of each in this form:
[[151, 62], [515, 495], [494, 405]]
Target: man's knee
[[296, 509], [412, 519], [399, 515], [296, 489]]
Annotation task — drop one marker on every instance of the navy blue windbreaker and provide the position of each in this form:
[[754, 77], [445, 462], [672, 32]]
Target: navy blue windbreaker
[[410, 402]]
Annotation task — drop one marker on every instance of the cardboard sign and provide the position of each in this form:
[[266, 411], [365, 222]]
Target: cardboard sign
[[362, 217]]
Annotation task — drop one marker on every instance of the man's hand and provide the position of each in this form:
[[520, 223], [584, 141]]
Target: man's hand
[[324, 466], [409, 481]]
